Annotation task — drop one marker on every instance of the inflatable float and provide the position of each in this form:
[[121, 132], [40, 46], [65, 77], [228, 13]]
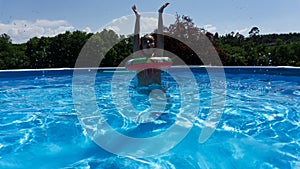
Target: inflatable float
[[148, 63]]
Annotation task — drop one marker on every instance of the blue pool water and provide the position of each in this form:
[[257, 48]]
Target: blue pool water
[[259, 128]]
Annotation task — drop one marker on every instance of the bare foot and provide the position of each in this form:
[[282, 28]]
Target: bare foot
[[135, 10], [161, 9]]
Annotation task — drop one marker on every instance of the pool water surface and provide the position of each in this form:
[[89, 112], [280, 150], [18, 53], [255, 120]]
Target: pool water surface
[[259, 125]]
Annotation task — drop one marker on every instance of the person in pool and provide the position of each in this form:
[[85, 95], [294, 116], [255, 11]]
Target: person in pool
[[148, 45]]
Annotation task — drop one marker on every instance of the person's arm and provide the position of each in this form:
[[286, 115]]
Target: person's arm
[[136, 36], [160, 38]]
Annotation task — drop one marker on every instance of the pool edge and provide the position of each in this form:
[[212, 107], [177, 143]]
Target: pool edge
[[277, 70]]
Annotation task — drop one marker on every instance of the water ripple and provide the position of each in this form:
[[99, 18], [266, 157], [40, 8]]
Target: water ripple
[[259, 128]]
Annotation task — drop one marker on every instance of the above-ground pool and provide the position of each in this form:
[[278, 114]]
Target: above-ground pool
[[257, 125]]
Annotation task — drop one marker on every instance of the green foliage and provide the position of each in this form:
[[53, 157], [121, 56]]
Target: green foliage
[[12, 56], [234, 49], [59, 51], [259, 50], [119, 52], [184, 30]]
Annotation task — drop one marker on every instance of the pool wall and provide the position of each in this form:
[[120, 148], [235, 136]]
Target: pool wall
[[293, 71]]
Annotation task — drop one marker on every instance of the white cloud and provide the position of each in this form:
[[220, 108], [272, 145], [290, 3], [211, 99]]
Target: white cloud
[[114, 28], [243, 31], [21, 31], [125, 25], [148, 23], [87, 30], [210, 28], [120, 20], [122, 25], [47, 23]]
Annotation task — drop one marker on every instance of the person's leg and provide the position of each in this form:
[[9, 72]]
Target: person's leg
[[142, 76], [154, 75], [151, 76], [160, 38], [136, 36]]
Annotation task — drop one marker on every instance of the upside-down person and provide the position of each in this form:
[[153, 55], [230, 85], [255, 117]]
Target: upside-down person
[[148, 45]]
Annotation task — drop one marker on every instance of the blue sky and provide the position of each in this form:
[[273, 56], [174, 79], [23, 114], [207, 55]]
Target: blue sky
[[24, 19]]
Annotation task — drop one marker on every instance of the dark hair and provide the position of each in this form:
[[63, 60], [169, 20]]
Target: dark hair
[[146, 36]]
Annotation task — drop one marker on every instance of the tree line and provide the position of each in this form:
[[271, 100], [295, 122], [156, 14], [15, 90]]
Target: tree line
[[234, 49]]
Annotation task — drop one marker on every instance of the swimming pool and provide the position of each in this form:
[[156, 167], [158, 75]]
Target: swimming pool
[[259, 126]]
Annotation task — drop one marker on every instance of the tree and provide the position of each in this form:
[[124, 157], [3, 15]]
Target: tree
[[254, 31], [180, 38], [184, 30], [5, 45], [11, 56], [108, 51], [36, 50]]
